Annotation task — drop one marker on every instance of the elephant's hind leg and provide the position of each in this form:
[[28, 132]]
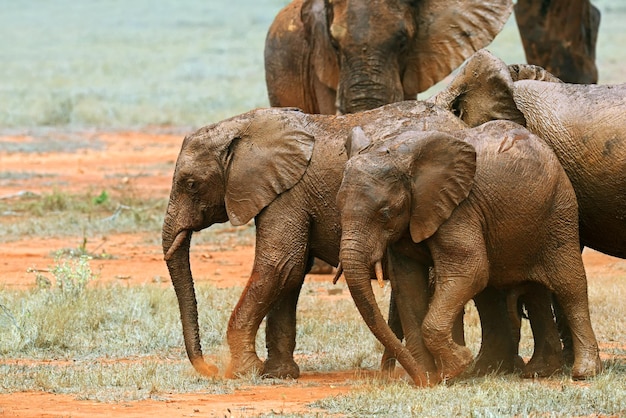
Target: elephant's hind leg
[[280, 334], [547, 357], [568, 281]]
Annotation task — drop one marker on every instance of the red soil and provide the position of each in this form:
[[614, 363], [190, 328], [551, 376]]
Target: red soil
[[142, 164]]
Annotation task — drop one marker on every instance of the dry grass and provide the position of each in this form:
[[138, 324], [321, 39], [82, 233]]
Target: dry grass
[[113, 343]]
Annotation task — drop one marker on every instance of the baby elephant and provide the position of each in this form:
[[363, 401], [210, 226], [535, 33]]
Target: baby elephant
[[484, 206]]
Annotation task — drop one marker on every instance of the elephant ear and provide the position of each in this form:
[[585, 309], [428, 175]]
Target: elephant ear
[[442, 175], [447, 34], [481, 91], [322, 53], [268, 159]]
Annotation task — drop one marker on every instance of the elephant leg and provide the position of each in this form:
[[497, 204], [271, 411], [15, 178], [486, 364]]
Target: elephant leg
[[278, 272], [280, 336], [560, 36], [564, 332], [388, 361], [500, 336], [566, 278], [409, 280], [244, 323], [547, 357], [461, 272]]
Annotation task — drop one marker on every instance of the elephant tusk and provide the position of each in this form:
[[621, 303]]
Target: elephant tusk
[[338, 273], [182, 235], [378, 268]]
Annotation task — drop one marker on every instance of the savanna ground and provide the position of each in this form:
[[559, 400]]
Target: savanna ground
[[95, 99]]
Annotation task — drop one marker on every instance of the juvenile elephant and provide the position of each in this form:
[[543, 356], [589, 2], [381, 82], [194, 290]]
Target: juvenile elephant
[[329, 56], [486, 206], [283, 168]]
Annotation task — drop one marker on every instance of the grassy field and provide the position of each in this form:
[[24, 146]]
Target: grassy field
[[83, 330], [70, 67]]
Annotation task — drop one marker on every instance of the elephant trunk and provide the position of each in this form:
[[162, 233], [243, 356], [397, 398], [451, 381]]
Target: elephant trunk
[[357, 273], [365, 86], [176, 250]]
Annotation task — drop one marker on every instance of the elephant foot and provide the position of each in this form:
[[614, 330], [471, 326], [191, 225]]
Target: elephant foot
[[543, 366], [485, 365], [281, 369], [455, 364], [244, 365], [586, 368]]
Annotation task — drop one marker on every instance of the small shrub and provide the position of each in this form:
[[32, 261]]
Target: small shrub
[[71, 276]]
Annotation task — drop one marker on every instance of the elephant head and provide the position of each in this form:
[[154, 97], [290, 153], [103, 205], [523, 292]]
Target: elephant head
[[484, 90], [395, 188], [227, 171], [370, 53]]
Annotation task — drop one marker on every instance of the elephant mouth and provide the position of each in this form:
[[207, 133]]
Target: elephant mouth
[[178, 241]]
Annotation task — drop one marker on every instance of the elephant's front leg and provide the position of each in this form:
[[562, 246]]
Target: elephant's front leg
[[500, 335], [547, 358], [461, 272], [273, 288], [275, 296], [254, 303]]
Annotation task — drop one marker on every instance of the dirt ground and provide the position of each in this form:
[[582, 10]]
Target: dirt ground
[[143, 164]]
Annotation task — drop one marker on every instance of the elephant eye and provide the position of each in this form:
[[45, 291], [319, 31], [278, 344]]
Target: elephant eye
[[191, 185], [385, 212]]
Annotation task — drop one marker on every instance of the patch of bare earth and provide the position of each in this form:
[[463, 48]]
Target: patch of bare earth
[[142, 164]]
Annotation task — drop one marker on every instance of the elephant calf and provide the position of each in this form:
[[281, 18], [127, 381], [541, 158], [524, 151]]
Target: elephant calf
[[483, 206], [283, 168]]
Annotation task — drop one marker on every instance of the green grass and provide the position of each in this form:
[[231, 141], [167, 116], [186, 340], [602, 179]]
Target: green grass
[[86, 214], [129, 64], [492, 396]]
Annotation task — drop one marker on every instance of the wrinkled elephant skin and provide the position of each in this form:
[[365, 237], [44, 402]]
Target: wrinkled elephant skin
[[462, 200], [584, 125], [283, 168], [347, 56]]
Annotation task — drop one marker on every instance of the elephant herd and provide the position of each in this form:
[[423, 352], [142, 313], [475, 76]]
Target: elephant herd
[[486, 191]]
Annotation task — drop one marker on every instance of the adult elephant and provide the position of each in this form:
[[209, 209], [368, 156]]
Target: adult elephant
[[483, 206], [329, 56], [560, 36], [283, 168]]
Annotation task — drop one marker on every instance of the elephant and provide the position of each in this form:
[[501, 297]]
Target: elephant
[[584, 125], [345, 56], [484, 206], [560, 36], [283, 168]]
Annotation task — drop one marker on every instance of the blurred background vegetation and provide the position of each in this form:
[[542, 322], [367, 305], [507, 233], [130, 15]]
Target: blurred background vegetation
[[112, 64]]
